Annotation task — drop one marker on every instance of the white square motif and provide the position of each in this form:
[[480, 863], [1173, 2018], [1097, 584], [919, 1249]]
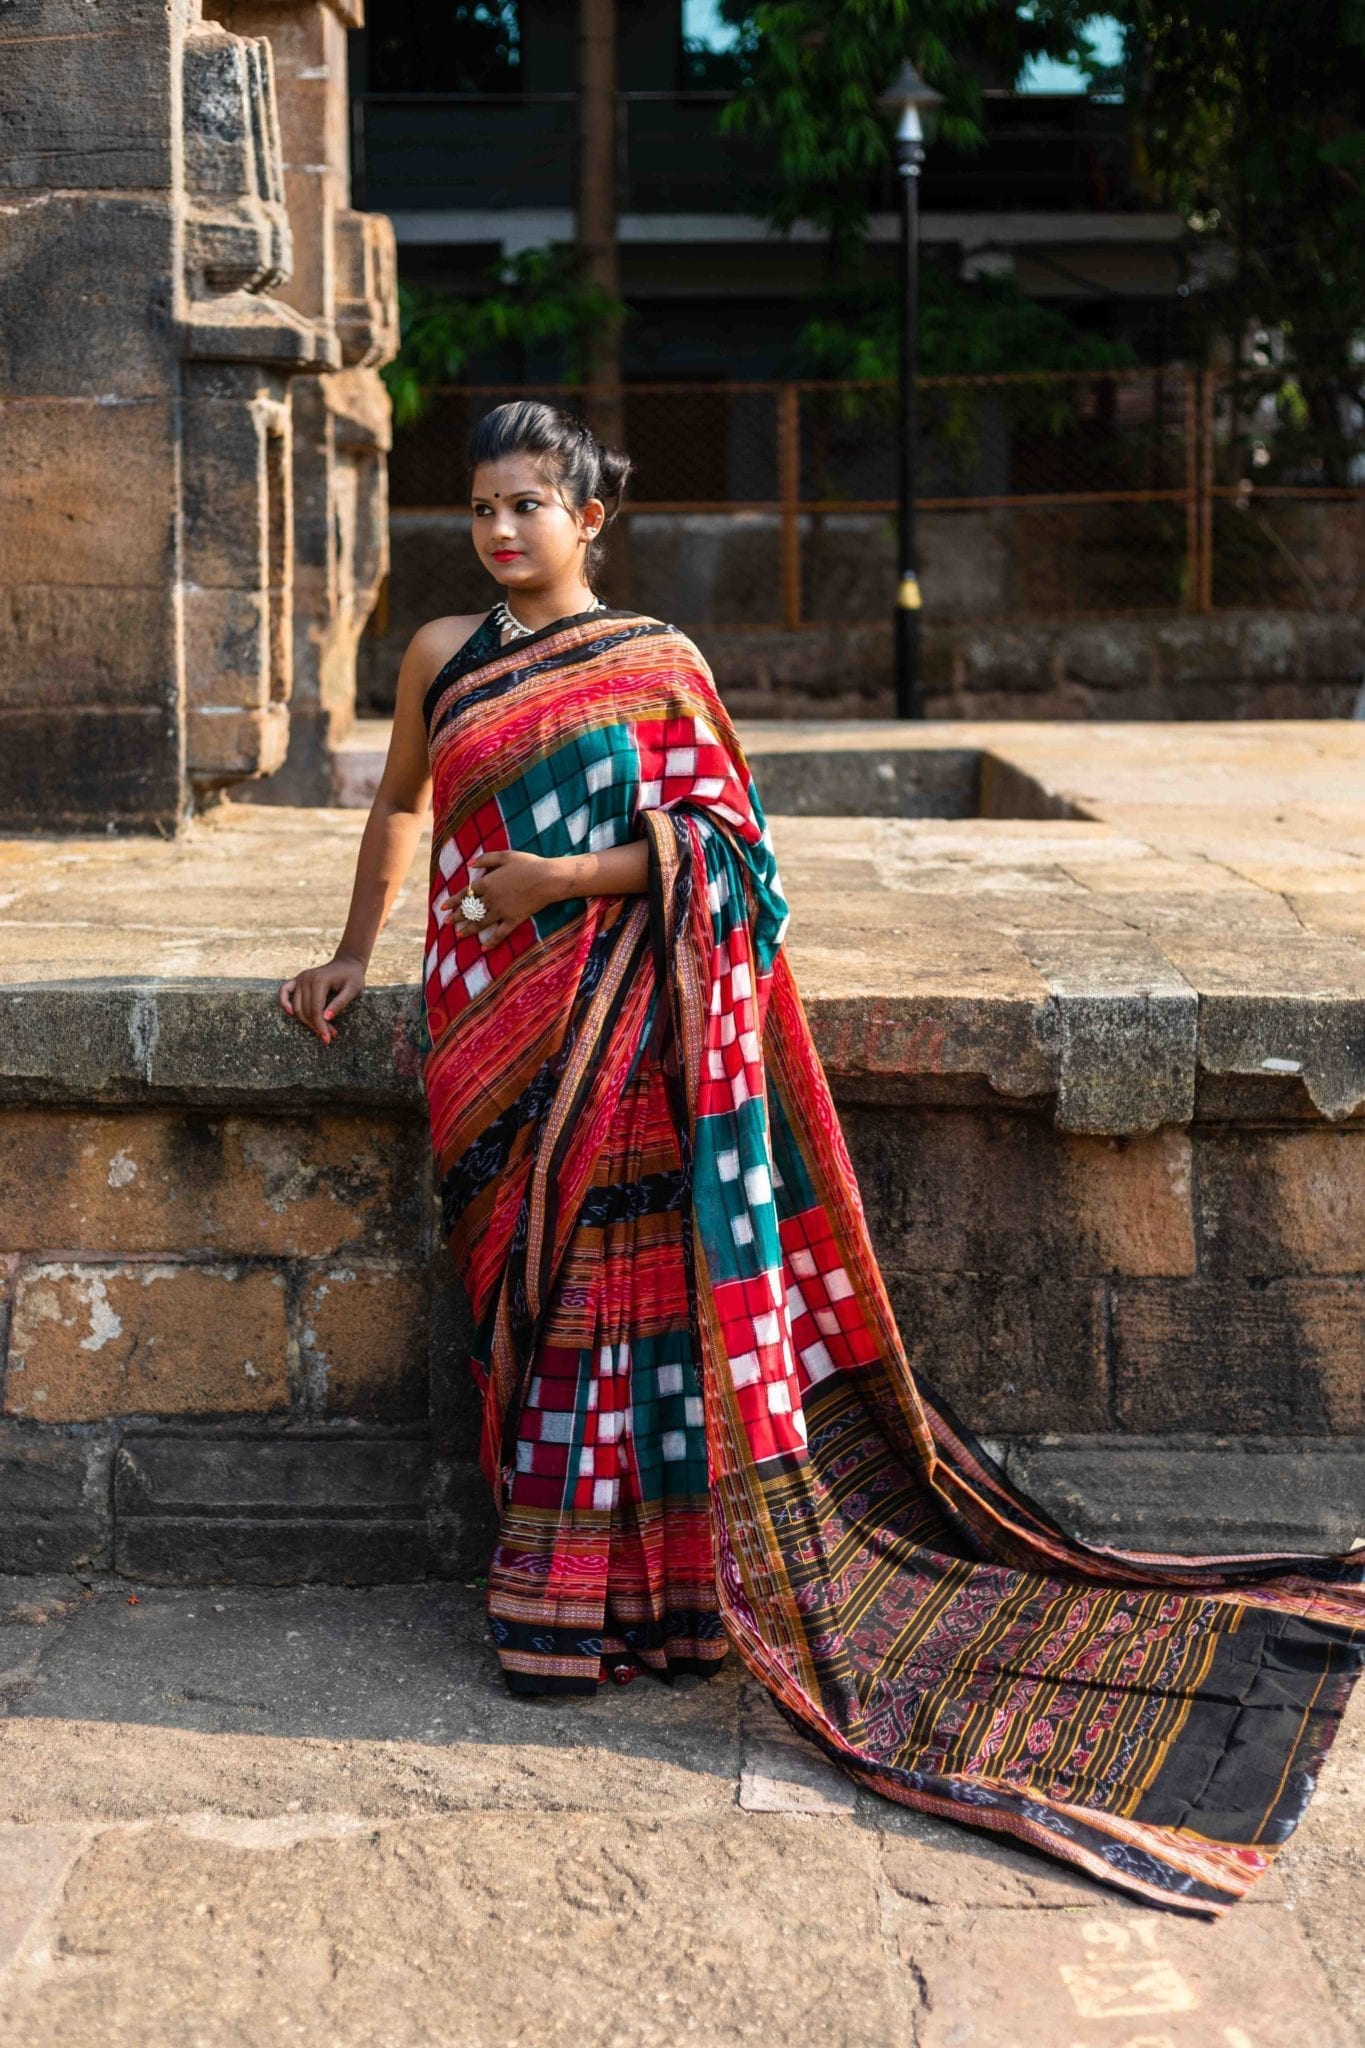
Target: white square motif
[[742, 1230], [477, 977], [600, 774], [670, 1379], [757, 1185], [673, 1444], [745, 1369], [545, 811], [817, 1361]]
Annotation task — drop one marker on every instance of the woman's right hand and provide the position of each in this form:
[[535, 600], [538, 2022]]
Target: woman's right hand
[[317, 995]]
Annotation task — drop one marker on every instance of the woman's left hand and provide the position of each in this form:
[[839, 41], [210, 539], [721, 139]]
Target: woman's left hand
[[513, 885]]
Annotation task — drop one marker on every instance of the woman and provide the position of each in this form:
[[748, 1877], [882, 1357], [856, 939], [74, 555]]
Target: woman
[[699, 1421]]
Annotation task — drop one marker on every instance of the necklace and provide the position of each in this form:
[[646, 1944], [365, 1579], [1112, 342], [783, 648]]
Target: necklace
[[506, 621]]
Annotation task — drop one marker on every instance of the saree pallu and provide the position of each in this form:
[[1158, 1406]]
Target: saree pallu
[[699, 1421]]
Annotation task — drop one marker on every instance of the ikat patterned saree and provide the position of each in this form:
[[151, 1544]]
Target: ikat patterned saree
[[699, 1423]]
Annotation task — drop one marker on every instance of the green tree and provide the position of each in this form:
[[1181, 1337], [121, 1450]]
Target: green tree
[[812, 72], [535, 298], [1250, 117]]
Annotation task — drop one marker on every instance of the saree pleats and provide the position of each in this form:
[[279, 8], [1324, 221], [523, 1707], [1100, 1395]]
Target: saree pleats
[[700, 1424]]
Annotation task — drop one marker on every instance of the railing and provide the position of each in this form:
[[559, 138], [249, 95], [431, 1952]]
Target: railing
[[1066, 493], [415, 151]]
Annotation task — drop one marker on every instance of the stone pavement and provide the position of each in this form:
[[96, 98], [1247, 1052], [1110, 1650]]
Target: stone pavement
[[232, 1818]]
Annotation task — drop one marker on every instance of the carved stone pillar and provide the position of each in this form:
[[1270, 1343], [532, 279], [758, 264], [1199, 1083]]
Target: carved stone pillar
[[157, 552], [343, 274]]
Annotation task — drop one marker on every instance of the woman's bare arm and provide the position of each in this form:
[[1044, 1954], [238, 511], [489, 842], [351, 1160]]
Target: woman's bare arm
[[390, 837]]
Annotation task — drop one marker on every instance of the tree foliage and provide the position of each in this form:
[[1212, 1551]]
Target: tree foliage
[[534, 299], [813, 71], [1251, 116]]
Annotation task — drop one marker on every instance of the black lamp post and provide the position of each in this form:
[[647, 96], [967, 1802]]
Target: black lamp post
[[915, 105]]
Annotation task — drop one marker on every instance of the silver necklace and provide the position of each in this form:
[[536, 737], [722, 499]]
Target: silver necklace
[[506, 620]]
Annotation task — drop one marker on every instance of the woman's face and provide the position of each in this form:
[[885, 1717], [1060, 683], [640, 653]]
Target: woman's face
[[524, 533]]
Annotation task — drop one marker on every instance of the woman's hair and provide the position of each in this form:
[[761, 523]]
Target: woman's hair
[[565, 449]]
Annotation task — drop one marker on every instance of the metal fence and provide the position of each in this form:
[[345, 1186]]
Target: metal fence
[[772, 504]]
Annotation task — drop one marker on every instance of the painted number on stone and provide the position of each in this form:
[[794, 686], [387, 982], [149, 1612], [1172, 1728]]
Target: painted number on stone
[[1122, 1977]]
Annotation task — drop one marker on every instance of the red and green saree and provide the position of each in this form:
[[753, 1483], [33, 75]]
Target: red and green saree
[[698, 1419]]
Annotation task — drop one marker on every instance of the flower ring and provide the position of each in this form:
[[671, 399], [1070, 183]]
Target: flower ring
[[473, 907]]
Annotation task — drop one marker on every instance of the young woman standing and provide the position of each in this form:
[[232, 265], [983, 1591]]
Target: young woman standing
[[699, 1422]]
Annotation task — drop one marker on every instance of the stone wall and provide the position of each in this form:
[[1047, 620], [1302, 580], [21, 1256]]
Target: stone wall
[[236, 1348], [222, 1336], [153, 592], [703, 571]]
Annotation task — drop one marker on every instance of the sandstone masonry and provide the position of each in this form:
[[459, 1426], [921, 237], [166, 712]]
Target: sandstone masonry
[[174, 528]]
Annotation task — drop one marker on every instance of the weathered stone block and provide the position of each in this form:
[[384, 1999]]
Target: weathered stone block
[[1199, 1496], [456, 1409], [60, 526], [85, 111], [221, 746], [90, 1340], [55, 1498], [121, 764], [1275, 1202], [227, 490], [1114, 656], [363, 1341], [1009, 1352], [948, 1191], [1245, 1356], [62, 649], [100, 270], [227, 651], [272, 1509], [145, 1182]]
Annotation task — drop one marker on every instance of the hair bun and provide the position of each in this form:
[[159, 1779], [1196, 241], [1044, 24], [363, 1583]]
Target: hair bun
[[613, 467]]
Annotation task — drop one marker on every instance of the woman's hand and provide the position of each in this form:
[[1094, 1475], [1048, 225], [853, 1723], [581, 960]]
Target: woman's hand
[[514, 886], [319, 993]]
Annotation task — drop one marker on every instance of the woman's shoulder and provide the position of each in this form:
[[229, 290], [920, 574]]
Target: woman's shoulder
[[440, 640]]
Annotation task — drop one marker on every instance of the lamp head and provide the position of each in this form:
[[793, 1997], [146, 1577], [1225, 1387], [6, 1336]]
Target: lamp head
[[914, 103]]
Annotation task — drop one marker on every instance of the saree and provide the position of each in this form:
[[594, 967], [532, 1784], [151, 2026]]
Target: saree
[[699, 1422]]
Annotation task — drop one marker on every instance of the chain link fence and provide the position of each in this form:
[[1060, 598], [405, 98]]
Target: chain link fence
[[773, 504]]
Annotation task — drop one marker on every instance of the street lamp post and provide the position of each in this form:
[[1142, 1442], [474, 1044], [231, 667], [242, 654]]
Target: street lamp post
[[914, 103]]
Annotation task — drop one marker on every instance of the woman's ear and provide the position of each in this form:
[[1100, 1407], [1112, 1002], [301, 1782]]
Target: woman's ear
[[592, 518]]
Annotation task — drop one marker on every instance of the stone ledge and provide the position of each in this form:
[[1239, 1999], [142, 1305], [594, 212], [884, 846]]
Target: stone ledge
[[1165, 908], [1216, 1495], [291, 1506]]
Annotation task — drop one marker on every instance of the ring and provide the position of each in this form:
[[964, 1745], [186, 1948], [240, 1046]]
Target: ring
[[473, 907]]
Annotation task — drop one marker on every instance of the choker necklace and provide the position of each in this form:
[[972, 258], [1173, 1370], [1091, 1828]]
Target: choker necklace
[[505, 620]]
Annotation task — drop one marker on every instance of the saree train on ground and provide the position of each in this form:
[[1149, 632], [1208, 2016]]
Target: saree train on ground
[[699, 1421]]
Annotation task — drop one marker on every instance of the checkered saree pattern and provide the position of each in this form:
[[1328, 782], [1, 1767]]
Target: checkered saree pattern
[[700, 1425]]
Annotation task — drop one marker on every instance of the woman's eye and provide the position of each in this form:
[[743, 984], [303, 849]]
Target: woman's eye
[[528, 504]]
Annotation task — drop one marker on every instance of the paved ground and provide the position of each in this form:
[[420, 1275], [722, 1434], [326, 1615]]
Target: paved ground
[[230, 1819]]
